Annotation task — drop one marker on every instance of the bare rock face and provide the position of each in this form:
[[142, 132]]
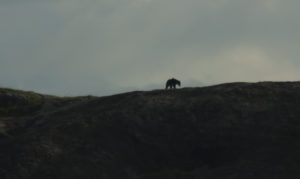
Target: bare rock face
[[237, 130]]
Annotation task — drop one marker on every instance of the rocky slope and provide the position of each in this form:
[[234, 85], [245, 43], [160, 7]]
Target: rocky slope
[[236, 130]]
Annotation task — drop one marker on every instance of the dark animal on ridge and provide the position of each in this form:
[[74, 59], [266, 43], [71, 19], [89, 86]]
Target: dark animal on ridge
[[171, 83]]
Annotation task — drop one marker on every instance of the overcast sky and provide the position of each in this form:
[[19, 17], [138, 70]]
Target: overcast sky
[[102, 47]]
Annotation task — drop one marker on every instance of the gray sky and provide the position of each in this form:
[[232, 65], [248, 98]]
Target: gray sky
[[102, 47]]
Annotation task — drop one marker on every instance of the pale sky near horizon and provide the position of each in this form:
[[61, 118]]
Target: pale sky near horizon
[[103, 47]]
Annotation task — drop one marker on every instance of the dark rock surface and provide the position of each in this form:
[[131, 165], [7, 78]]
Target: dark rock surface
[[237, 130]]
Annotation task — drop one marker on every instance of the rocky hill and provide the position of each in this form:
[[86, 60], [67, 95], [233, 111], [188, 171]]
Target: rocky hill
[[228, 131]]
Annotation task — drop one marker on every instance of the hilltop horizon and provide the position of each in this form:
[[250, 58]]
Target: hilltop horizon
[[153, 87], [232, 130]]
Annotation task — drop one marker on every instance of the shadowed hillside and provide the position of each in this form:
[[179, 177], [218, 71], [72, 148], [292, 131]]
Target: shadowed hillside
[[228, 131]]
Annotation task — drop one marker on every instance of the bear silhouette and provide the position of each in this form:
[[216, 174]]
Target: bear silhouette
[[171, 83]]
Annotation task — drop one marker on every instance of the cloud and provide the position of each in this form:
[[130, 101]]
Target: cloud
[[271, 5], [239, 63], [100, 47]]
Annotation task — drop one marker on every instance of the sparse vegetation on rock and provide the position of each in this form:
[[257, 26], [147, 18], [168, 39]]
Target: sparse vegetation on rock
[[236, 130]]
